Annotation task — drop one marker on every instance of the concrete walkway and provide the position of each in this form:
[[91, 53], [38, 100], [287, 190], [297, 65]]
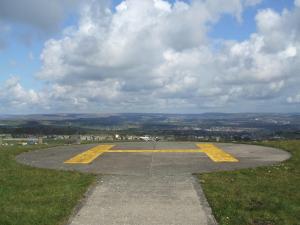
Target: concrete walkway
[[145, 200]]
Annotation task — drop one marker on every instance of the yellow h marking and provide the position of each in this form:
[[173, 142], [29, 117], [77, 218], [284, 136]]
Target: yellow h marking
[[158, 151], [213, 152], [89, 155], [216, 154]]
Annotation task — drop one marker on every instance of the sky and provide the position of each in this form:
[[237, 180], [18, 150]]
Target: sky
[[149, 56]]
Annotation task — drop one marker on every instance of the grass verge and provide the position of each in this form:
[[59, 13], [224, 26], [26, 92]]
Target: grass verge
[[261, 196], [30, 196]]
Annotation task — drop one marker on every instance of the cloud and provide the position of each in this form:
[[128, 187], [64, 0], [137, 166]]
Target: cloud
[[294, 99], [156, 56], [14, 97], [42, 14], [252, 2], [4, 31]]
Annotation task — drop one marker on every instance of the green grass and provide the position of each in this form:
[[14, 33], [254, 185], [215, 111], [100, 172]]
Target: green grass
[[30, 196], [261, 196]]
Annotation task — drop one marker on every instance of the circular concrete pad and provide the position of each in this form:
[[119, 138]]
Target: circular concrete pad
[[145, 163]]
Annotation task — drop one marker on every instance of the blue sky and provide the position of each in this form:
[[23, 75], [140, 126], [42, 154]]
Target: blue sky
[[229, 28], [24, 42]]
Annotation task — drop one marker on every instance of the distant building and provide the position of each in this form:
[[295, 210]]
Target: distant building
[[96, 137], [40, 140], [118, 137], [30, 142], [109, 138], [132, 137], [5, 136], [77, 139], [169, 138]]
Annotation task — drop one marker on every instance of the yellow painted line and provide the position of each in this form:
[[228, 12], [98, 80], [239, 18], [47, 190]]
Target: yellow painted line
[[213, 152], [216, 154], [89, 155], [158, 150]]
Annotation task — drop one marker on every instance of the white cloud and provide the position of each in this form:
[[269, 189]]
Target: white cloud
[[162, 51], [42, 14], [252, 2], [15, 97], [294, 99], [156, 56]]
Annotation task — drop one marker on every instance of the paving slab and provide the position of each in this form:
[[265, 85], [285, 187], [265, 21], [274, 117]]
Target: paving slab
[[145, 200]]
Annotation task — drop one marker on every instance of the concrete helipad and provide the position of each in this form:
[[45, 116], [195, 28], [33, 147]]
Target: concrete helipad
[[148, 158], [149, 183]]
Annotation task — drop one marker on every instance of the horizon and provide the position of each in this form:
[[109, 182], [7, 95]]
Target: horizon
[[151, 113], [149, 56]]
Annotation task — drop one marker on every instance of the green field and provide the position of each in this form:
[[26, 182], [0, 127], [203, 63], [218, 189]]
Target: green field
[[261, 196], [30, 196]]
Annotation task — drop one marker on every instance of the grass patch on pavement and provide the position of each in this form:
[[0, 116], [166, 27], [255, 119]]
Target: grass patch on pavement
[[261, 196], [31, 196]]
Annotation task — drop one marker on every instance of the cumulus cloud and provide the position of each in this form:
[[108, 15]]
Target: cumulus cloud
[[294, 99], [42, 14], [150, 48], [153, 55], [13, 96], [269, 60]]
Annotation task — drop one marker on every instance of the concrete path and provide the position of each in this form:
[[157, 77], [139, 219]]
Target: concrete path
[[145, 200]]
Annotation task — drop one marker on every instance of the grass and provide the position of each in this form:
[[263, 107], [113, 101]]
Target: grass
[[261, 196], [30, 196]]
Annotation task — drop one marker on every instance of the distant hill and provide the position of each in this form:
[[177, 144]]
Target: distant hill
[[193, 124]]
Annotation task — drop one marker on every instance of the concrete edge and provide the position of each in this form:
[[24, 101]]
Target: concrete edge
[[206, 207], [81, 203], [288, 154]]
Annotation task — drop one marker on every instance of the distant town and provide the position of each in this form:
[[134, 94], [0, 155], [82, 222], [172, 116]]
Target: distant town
[[94, 128]]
